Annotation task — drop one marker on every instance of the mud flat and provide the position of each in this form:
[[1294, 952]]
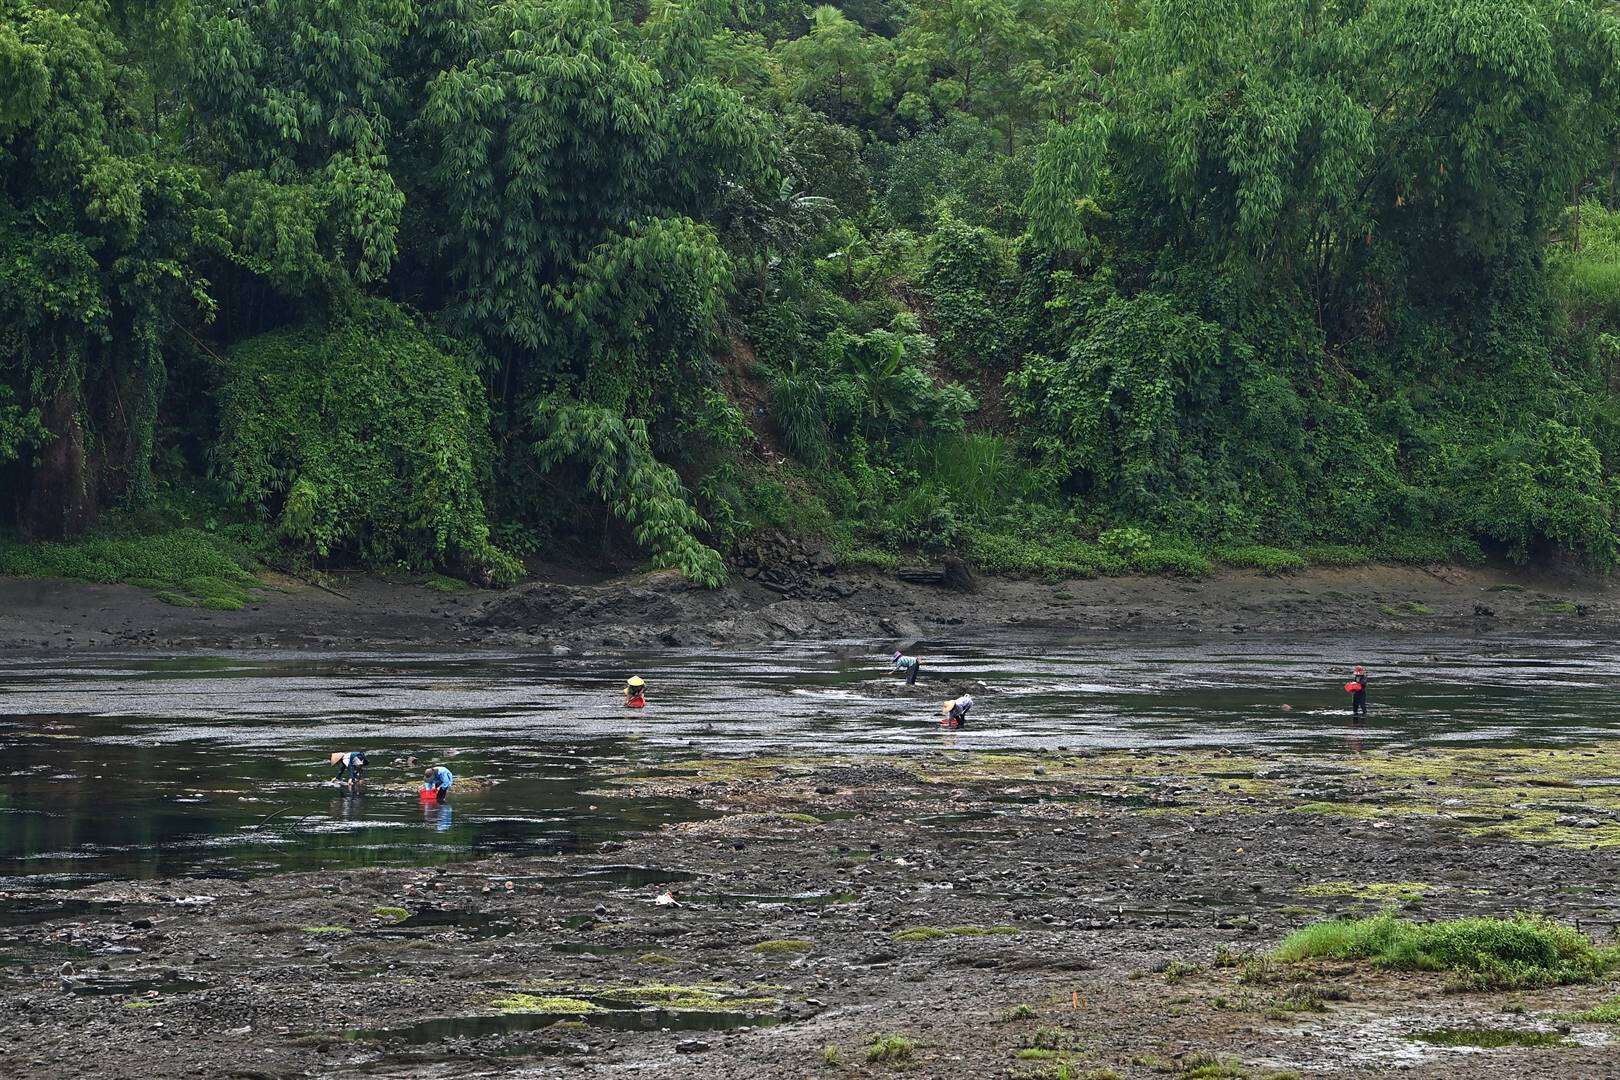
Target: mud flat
[[942, 914], [814, 601]]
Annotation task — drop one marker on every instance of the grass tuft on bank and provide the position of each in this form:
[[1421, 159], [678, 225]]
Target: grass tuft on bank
[[185, 566], [1523, 952]]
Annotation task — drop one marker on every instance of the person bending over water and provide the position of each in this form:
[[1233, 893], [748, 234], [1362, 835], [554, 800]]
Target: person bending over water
[[635, 692], [351, 767], [954, 712], [907, 665], [436, 781]]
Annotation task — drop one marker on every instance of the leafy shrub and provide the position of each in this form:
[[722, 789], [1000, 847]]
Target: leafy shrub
[[639, 489], [365, 436], [890, 1049]]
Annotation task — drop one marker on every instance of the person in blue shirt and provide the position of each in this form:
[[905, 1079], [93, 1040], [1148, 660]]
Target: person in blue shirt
[[437, 781], [909, 665], [351, 768]]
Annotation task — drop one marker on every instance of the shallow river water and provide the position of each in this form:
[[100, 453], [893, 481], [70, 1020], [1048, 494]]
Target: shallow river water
[[129, 766]]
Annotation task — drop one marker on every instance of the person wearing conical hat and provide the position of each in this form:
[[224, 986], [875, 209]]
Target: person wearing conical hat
[[954, 711], [635, 692]]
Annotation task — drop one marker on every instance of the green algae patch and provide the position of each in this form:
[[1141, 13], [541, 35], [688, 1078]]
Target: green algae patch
[[657, 959], [1523, 952], [785, 946], [1489, 1038], [936, 933], [535, 1003], [672, 997], [141, 1003], [1374, 890], [327, 930], [395, 913]]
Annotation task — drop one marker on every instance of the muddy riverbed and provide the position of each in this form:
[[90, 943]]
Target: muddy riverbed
[[784, 857], [1109, 910]]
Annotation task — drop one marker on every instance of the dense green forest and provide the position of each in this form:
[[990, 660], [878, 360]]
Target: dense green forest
[[1065, 286]]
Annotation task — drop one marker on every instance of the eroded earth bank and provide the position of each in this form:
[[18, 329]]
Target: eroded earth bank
[[944, 914]]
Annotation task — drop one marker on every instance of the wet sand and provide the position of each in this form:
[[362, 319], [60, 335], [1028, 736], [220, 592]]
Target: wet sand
[[1111, 909]]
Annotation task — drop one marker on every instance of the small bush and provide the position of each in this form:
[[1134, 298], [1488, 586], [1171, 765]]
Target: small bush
[[1499, 954], [830, 1057], [783, 947]]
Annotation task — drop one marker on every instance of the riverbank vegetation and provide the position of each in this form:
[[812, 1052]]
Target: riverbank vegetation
[[1061, 286]]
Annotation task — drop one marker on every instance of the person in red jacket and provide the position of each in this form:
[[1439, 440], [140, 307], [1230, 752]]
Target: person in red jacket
[[1358, 696], [635, 692]]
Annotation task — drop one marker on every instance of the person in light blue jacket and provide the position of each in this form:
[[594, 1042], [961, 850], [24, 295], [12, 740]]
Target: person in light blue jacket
[[908, 666], [437, 780]]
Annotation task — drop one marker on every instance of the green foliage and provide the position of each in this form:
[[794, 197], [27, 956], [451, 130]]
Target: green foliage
[[1070, 288], [364, 436], [185, 566], [1605, 1012], [1523, 952], [620, 469], [891, 1050], [1260, 557]]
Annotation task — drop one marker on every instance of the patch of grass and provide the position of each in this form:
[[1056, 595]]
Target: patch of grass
[[141, 1003], [830, 1057], [1607, 1012], [1489, 1038], [1372, 890], [1335, 555], [441, 583], [395, 913], [1485, 954], [1406, 609], [186, 567], [1018, 1012], [876, 558], [327, 930], [784, 946], [1176, 970], [1270, 560], [889, 1049], [1034, 1053], [1209, 1067], [935, 933], [1300, 999], [1051, 1039], [802, 819], [1560, 607]]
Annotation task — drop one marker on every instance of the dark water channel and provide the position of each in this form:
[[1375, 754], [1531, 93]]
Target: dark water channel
[[120, 766]]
